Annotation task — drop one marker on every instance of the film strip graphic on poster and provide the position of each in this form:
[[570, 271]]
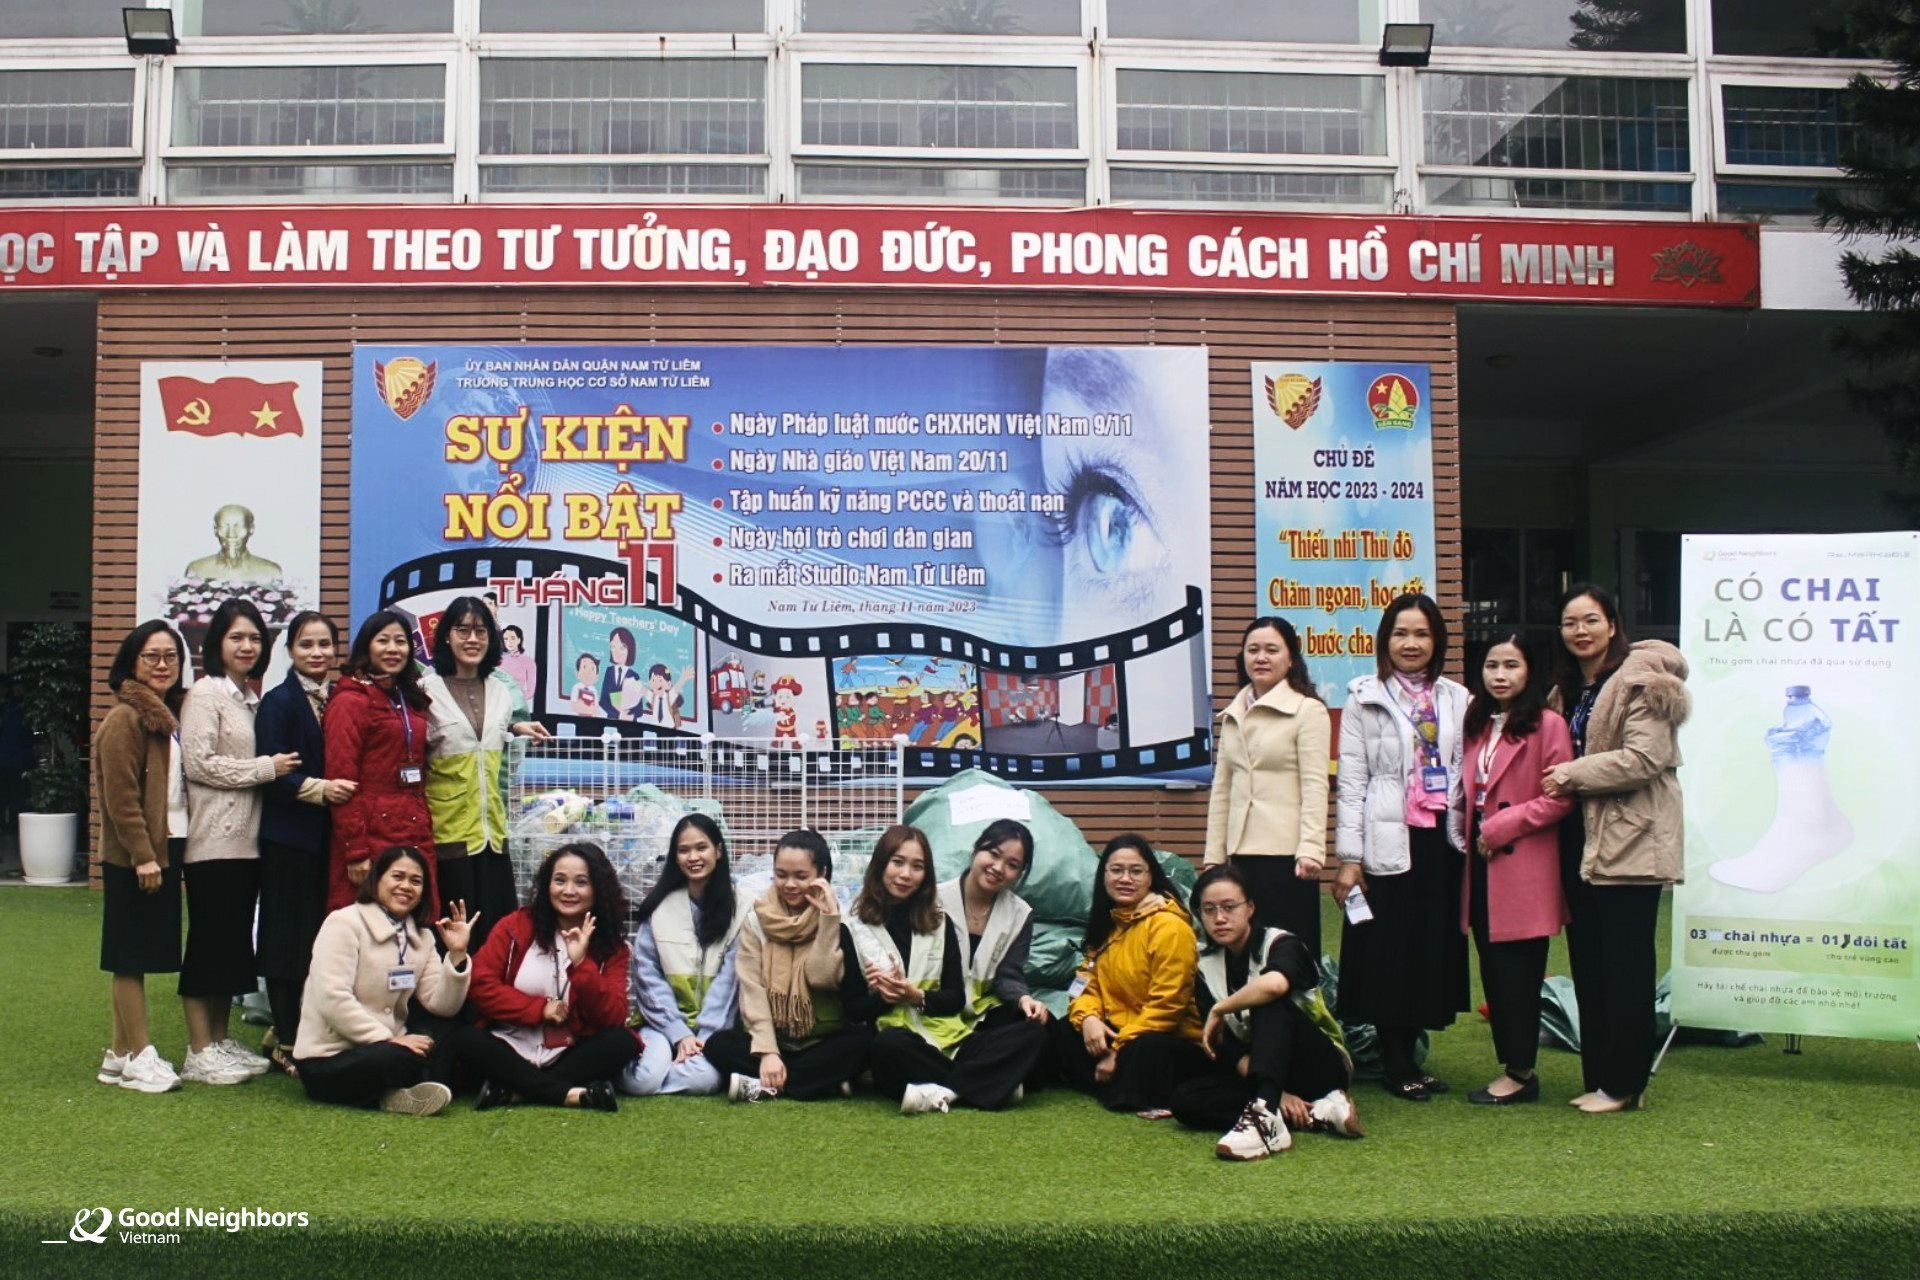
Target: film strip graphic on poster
[[595, 655]]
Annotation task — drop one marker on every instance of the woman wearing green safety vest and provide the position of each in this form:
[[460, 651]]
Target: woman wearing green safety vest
[[1273, 1041], [1007, 1027], [472, 714], [914, 984], [683, 972], [795, 1038]]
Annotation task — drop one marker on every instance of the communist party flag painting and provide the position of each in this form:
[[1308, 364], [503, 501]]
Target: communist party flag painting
[[230, 406]]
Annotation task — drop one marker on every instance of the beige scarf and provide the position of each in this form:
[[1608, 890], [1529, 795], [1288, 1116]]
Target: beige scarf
[[783, 963]]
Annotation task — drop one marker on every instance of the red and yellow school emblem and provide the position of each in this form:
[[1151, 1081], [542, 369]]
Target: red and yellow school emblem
[[405, 383], [1392, 401]]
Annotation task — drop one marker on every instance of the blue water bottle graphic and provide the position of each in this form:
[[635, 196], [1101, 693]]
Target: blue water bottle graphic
[[1808, 827]]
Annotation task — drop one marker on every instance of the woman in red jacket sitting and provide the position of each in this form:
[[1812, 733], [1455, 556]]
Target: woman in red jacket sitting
[[1511, 901], [550, 986], [376, 736]]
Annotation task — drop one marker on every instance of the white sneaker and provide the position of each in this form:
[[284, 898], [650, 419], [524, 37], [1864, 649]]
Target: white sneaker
[[210, 1066], [424, 1099], [240, 1056], [748, 1089], [1335, 1114], [111, 1065], [1018, 1096], [922, 1098], [147, 1072], [1256, 1135]]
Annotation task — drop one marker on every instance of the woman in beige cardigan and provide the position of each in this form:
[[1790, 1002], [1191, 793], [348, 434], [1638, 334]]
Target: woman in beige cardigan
[[1268, 811], [224, 778], [371, 959]]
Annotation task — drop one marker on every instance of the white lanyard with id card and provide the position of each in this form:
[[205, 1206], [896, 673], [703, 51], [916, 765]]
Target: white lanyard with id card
[[411, 775], [402, 976]]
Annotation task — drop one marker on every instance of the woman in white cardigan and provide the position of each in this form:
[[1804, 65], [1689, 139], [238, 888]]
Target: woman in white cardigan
[[371, 959], [224, 777], [1399, 839]]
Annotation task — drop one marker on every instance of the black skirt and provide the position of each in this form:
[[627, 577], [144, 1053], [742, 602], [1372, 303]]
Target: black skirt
[[140, 932], [484, 881], [221, 896], [293, 902], [1407, 967]]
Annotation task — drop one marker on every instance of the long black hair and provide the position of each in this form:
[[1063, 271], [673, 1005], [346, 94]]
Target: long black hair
[[609, 908], [1100, 915], [1568, 679], [360, 658], [1436, 623], [460, 612], [998, 832], [126, 660], [422, 913], [229, 612], [1296, 677], [306, 618], [716, 904], [1523, 716]]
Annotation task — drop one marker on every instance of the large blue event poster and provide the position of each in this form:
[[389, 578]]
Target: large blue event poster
[[999, 554]]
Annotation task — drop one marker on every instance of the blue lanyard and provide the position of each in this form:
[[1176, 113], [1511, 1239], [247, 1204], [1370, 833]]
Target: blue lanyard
[[406, 722], [399, 938]]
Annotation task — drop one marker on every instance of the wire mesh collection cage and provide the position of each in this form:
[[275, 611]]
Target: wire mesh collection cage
[[626, 793]]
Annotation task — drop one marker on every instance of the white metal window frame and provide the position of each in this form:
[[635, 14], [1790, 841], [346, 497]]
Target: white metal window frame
[[470, 162], [1274, 160], [296, 152], [1719, 81], [39, 156]]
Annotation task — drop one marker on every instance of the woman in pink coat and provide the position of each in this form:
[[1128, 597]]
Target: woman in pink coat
[[1511, 900]]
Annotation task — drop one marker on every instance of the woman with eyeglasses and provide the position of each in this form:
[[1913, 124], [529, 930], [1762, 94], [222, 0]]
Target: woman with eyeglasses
[[1131, 1034], [1623, 843], [1280, 1061], [1399, 840], [142, 798], [1267, 813], [376, 732], [226, 776], [473, 710]]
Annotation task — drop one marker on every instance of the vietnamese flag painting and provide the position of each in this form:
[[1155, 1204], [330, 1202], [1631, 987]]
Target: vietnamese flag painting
[[230, 406]]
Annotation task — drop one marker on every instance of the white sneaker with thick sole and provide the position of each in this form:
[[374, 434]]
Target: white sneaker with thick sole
[[1256, 1135], [424, 1099], [1336, 1114], [111, 1065], [922, 1098], [240, 1056], [148, 1072], [748, 1089], [210, 1066]]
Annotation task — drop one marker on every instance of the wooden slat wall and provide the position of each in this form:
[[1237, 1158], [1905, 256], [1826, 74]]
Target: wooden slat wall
[[251, 325]]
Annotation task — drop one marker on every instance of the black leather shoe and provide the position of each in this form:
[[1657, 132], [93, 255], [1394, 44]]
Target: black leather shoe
[[601, 1097], [1435, 1085], [491, 1096], [1529, 1091]]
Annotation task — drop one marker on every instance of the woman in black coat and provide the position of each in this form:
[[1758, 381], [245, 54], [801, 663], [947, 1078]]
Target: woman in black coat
[[294, 825]]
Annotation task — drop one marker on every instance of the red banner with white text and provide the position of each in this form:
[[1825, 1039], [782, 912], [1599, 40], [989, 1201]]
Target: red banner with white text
[[789, 246]]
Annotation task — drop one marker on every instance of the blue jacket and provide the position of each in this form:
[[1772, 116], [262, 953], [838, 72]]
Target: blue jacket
[[285, 722]]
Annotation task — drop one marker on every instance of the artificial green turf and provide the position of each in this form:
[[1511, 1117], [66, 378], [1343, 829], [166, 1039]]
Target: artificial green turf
[[1750, 1163]]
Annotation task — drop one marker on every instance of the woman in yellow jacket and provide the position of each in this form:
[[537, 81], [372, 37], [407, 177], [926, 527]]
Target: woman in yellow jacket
[[1268, 811], [1131, 1034]]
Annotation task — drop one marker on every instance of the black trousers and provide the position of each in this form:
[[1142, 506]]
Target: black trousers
[[1610, 949], [1511, 974], [993, 1061], [283, 1000], [1146, 1073], [817, 1071], [1283, 900], [1287, 1053], [601, 1056], [357, 1077]]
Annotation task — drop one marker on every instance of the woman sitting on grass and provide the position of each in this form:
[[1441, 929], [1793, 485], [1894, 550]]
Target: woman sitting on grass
[[1273, 1042], [913, 987], [684, 942], [371, 958], [1131, 1034], [550, 987], [794, 1037]]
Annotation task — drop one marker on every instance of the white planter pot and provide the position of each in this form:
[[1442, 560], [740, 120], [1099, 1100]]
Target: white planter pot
[[48, 843]]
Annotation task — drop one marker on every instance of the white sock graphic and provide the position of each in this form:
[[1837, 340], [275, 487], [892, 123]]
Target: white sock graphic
[[1808, 827]]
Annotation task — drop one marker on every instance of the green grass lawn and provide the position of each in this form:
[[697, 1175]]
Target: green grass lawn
[[1749, 1163]]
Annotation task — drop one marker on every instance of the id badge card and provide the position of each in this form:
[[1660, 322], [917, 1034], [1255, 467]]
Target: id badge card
[[552, 1037], [410, 775], [404, 979], [1433, 779], [1479, 797], [1079, 985]]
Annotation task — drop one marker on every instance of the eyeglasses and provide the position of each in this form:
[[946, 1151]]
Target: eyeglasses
[[470, 633], [1593, 623], [1221, 910], [159, 659]]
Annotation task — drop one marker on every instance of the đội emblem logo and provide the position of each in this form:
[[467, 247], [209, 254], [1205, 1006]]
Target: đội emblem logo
[[405, 383], [1393, 401], [1294, 396]]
